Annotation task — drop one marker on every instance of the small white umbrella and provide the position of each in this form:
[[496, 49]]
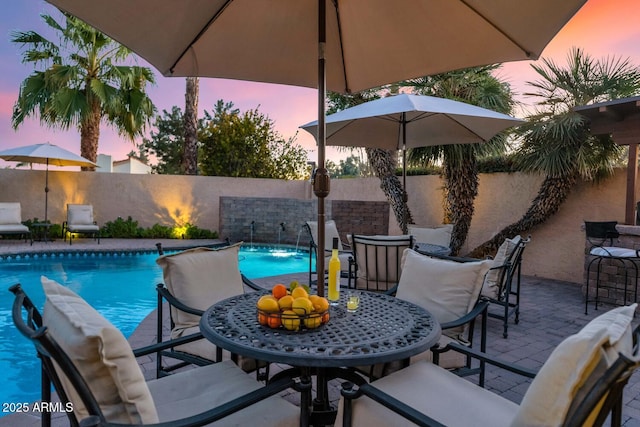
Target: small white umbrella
[[47, 154]]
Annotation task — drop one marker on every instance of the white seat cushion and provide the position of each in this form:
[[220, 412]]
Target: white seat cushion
[[432, 390], [197, 390], [199, 278], [447, 289], [10, 213], [13, 228], [102, 355], [440, 235], [82, 228], [614, 251]]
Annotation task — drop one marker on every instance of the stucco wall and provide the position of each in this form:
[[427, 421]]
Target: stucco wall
[[556, 251]]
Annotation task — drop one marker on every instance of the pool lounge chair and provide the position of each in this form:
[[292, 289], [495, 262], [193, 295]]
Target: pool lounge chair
[[95, 372], [80, 221], [11, 221]]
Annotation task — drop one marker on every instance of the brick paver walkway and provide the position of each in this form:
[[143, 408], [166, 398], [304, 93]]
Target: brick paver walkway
[[551, 310]]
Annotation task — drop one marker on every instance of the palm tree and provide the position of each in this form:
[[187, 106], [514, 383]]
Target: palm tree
[[557, 141], [82, 84], [190, 150], [476, 86]]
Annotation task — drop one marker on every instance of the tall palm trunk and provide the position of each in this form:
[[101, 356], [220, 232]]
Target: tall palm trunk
[[90, 135], [190, 149], [383, 163], [461, 189], [553, 192]]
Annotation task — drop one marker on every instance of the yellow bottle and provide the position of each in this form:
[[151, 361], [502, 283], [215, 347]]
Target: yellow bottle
[[334, 274]]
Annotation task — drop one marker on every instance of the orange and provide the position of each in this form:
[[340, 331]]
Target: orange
[[262, 319], [302, 306], [290, 320], [298, 292], [274, 321], [285, 302], [279, 290], [268, 304], [325, 317]]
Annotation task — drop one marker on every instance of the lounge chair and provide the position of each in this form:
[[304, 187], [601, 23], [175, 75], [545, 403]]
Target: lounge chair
[[330, 232], [95, 372], [194, 280], [11, 221], [581, 382], [376, 262], [80, 221]]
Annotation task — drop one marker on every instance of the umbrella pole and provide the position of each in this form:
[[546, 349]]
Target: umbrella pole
[[404, 173], [46, 191], [321, 177]]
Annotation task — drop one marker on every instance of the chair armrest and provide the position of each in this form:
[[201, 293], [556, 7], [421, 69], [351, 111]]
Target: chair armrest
[[155, 348], [491, 360], [392, 291], [481, 306], [162, 290], [251, 284]]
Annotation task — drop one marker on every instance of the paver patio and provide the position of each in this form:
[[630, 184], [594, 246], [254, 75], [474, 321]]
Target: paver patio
[[551, 310]]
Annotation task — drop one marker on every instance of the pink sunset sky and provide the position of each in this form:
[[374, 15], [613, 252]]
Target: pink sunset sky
[[600, 28]]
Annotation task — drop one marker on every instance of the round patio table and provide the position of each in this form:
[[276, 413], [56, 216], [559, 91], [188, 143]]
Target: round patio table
[[383, 329]]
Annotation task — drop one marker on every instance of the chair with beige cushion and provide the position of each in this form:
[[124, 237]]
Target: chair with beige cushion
[[95, 372], [439, 235], [580, 384], [194, 280], [80, 221], [450, 291], [330, 232], [11, 221], [376, 262]]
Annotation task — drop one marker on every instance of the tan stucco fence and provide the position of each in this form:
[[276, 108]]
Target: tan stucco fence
[[556, 250]]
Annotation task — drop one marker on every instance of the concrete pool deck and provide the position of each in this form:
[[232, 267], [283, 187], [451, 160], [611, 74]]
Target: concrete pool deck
[[551, 310]]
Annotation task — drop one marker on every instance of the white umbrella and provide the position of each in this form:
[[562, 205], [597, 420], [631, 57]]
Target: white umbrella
[[342, 45], [407, 121], [48, 154]]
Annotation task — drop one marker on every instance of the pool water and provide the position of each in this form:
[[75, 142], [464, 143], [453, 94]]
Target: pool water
[[120, 286]]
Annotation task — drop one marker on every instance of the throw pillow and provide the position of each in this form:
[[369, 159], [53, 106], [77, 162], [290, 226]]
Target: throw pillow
[[102, 355], [447, 289], [492, 282]]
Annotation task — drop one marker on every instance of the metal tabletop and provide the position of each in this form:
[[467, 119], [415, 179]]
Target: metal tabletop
[[383, 329], [429, 248]]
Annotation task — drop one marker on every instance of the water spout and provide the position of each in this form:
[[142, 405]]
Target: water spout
[[252, 229], [281, 228]]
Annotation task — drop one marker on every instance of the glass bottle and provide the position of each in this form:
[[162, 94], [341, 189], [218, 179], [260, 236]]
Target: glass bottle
[[334, 274]]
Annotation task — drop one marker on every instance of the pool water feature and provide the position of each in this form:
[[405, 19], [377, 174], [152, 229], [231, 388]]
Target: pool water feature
[[121, 286]]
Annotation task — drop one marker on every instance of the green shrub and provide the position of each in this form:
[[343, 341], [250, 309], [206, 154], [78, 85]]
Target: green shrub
[[193, 232], [158, 231], [123, 229]]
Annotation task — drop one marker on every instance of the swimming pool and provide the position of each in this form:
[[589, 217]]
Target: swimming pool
[[121, 286]]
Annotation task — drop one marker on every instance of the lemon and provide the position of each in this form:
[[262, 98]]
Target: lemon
[[285, 302], [320, 304], [302, 306], [298, 292], [268, 304], [313, 321], [290, 320]]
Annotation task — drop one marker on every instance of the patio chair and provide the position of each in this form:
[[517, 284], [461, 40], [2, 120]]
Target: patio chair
[[581, 382], [95, 372], [501, 285], [11, 221], [450, 291], [600, 237], [375, 265], [330, 231], [194, 280], [439, 235], [80, 221]]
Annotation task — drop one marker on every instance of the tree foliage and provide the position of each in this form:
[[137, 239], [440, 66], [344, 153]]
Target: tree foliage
[[247, 145], [84, 80]]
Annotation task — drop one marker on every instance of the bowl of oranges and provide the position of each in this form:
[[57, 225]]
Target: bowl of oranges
[[293, 308]]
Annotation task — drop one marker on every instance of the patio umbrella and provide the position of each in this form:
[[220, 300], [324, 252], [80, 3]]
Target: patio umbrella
[[48, 154], [340, 45], [407, 121]]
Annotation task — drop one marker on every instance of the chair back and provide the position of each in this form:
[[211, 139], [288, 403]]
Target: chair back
[[377, 261], [600, 232], [330, 232], [10, 213], [79, 214], [513, 268], [28, 321]]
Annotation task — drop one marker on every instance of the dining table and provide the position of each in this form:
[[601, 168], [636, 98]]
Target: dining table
[[383, 329]]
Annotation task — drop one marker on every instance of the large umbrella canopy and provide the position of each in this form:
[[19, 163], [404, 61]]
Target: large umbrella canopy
[[48, 154], [342, 45]]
